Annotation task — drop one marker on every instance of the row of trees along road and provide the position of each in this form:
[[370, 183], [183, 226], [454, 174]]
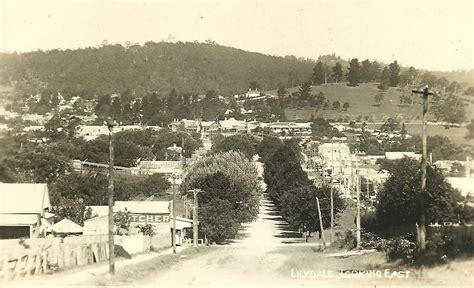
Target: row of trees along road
[[290, 189], [231, 193]]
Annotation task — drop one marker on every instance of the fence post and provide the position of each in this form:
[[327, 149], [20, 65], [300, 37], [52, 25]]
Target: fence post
[[6, 268]]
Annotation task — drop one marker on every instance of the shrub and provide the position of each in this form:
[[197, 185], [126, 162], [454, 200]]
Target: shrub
[[401, 248], [147, 230], [438, 248], [372, 241], [347, 240], [122, 222]]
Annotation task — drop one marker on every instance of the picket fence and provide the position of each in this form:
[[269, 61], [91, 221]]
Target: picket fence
[[23, 258]]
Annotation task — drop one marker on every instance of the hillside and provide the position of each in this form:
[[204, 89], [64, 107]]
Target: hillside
[[154, 67], [361, 103]]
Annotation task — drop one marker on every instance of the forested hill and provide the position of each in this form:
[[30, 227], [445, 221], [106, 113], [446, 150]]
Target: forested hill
[[153, 67]]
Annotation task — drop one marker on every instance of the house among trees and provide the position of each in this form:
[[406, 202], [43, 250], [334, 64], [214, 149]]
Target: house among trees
[[334, 152], [24, 210], [166, 168], [290, 127], [91, 132], [252, 93], [184, 124], [208, 126], [231, 125]]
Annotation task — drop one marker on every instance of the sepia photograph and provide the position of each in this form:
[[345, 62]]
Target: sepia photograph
[[237, 143]]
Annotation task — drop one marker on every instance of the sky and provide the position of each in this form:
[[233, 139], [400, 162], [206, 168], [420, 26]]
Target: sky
[[435, 35]]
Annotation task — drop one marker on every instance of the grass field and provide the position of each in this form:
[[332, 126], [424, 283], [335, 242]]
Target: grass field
[[361, 103]]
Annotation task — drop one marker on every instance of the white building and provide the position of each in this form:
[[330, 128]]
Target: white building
[[252, 93], [290, 127], [400, 155], [232, 125], [184, 124], [91, 132], [23, 210], [334, 152]]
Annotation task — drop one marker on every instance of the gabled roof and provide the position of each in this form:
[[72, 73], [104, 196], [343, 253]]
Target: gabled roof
[[67, 226], [23, 198]]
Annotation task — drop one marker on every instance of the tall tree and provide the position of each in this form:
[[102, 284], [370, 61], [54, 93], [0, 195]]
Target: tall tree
[[384, 79], [337, 73], [305, 91], [409, 77], [397, 204], [365, 71], [319, 74], [394, 77], [244, 143], [354, 72], [375, 71], [450, 109], [231, 196]]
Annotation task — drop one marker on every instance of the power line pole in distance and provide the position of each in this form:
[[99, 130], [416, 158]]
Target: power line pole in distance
[[421, 227], [110, 124]]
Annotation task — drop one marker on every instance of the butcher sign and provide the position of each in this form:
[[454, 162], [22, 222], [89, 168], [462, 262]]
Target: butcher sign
[[149, 218]]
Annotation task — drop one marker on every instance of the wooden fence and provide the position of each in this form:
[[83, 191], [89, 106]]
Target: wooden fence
[[23, 258]]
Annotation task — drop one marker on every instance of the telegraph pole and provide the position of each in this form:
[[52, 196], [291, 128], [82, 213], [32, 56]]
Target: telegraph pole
[[421, 228], [331, 235], [173, 239], [111, 125], [195, 215], [358, 203], [320, 222]]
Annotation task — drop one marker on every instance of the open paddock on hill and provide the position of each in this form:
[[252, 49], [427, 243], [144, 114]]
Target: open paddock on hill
[[361, 103]]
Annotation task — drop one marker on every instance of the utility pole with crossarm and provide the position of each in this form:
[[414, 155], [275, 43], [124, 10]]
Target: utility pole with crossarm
[[421, 227], [195, 215], [110, 125]]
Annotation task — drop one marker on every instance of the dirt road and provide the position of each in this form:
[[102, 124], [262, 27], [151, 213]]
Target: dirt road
[[252, 259]]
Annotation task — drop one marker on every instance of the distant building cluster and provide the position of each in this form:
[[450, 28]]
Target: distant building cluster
[[231, 125]]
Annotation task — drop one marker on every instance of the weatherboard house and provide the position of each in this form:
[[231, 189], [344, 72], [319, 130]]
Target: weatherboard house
[[24, 210]]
